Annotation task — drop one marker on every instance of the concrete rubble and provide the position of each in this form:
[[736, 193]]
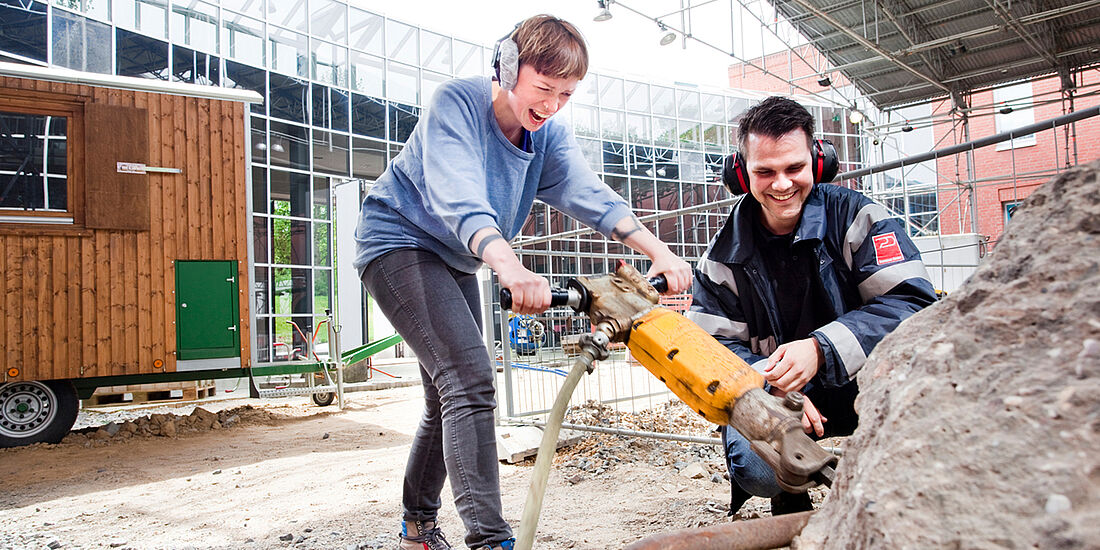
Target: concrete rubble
[[979, 417], [166, 425]]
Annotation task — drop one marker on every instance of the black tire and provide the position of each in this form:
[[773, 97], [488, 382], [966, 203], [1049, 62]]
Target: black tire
[[35, 412], [324, 399]]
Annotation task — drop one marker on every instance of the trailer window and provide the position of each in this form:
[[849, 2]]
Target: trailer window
[[33, 162]]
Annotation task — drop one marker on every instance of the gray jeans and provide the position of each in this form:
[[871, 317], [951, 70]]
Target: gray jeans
[[437, 310]]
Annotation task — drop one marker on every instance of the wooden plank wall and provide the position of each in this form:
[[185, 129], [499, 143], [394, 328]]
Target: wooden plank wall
[[88, 302]]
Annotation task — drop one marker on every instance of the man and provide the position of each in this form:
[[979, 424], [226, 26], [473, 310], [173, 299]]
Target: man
[[802, 282]]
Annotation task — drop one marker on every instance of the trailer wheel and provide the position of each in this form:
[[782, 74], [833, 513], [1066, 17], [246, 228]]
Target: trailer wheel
[[324, 399], [34, 412]]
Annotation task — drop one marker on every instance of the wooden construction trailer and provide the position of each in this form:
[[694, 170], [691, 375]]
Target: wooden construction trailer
[[124, 208]]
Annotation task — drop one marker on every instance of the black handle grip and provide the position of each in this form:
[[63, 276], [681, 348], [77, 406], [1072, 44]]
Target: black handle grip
[[660, 283], [558, 297]]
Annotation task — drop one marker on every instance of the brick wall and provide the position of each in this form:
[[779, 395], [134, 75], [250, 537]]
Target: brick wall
[[783, 70], [1048, 152]]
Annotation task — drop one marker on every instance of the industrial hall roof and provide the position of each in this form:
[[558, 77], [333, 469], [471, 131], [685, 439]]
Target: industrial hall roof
[[900, 52]]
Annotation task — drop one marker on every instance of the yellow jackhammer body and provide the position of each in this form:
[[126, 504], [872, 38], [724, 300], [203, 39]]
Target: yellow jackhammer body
[[705, 374]]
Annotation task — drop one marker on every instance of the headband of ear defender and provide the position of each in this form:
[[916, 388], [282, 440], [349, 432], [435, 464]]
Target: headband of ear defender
[[506, 61], [822, 159]]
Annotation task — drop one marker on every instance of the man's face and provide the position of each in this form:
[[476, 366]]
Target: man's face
[[538, 97], [780, 177]]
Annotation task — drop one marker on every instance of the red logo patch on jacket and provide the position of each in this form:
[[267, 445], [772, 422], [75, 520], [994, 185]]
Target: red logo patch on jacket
[[887, 249]]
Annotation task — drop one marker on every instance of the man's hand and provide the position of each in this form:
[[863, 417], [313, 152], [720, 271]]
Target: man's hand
[[793, 364], [812, 419]]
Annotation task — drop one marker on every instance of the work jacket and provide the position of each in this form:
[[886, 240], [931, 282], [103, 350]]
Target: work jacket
[[871, 273]]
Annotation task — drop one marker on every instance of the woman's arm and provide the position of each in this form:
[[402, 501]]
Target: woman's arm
[[530, 292], [677, 272]]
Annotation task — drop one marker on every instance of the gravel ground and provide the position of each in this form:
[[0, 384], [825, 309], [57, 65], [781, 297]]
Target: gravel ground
[[233, 474]]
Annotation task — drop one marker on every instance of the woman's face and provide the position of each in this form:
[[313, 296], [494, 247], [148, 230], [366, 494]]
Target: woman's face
[[538, 97]]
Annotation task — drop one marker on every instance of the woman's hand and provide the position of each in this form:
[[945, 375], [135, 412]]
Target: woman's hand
[[530, 292], [676, 271]]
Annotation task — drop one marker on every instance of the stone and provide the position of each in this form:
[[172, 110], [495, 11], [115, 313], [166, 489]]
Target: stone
[[168, 429], [989, 472], [112, 428], [203, 418], [1057, 504], [695, 470], [287, 537]]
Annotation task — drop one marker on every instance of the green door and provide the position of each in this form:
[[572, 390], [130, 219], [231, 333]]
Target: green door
[[206, 310]]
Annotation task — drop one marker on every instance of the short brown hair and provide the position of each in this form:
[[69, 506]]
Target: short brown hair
[[774, 117], [552, 46]]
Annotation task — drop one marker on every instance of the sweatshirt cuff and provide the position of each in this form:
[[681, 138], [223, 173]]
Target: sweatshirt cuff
[[473, 224], [612, 217]]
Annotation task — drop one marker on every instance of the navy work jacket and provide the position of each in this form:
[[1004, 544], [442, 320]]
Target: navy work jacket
[[869, 268]]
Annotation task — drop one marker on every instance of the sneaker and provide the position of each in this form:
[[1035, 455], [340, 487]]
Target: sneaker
[[790, 503], [509, 544], [422, 535]]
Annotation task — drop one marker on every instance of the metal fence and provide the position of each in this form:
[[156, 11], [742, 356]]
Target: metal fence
[[535, 353]]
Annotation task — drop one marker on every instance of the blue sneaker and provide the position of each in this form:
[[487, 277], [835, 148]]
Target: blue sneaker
[[509, 544], [422, 535]]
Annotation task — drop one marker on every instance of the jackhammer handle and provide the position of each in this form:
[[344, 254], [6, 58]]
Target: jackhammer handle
[[558, 297], [659, 283], [571, 297]]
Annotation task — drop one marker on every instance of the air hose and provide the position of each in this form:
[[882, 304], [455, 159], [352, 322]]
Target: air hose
[[594, 346]]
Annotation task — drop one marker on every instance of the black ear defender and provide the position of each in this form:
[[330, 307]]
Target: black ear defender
[[823, 162], [506, 61]]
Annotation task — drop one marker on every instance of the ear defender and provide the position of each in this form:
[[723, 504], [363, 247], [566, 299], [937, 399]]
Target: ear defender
[[506, 61], [823, 162]]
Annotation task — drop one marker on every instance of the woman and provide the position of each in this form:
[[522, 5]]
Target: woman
[[463, 185]]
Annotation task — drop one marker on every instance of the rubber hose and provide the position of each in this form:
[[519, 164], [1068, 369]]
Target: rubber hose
[[531, 509]]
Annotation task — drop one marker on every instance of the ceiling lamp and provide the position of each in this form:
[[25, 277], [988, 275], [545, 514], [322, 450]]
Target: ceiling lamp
[[907, 128], [604, 14], [855, 117], [667, 36], [824, 81]]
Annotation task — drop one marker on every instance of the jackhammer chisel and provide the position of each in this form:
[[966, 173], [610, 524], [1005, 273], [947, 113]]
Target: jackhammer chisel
[[712, 380]]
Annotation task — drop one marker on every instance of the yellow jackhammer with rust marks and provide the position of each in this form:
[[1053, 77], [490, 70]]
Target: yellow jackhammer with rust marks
[[702, 372]]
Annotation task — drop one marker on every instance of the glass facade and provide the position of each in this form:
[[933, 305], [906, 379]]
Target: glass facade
[[343, 89]]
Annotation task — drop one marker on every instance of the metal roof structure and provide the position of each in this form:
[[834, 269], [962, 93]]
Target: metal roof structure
[[899, 52]]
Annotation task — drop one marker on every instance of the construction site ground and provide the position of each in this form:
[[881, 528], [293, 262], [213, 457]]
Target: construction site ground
[[284, 473]]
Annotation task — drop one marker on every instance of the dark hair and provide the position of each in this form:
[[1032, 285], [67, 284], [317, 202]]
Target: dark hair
[[552, 46], [774, 117]]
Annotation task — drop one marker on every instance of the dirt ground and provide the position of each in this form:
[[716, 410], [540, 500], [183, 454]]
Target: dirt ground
[[285, 473]]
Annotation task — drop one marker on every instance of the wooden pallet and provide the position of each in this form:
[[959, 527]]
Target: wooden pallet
[[151, 393]]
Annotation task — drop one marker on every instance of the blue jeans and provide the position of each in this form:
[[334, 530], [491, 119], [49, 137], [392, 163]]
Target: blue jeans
[[752, 474], [437, 310]]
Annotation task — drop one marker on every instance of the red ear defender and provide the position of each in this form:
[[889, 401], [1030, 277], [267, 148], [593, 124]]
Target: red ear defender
[[822, 156], [824, 160], [734, 174]]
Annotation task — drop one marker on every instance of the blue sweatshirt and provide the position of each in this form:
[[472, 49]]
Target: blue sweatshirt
[[458, 174]]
